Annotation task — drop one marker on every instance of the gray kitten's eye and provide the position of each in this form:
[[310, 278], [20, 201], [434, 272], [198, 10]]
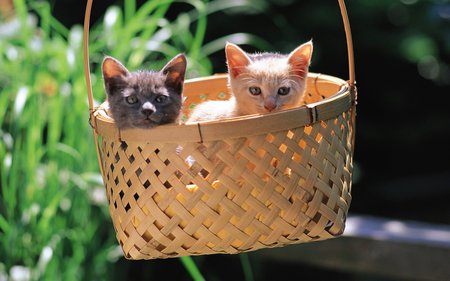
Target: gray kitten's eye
[[131, 99], [255, 91], [282, 91], [160, 99]]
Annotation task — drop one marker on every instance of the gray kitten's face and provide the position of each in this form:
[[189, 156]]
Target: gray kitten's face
[[144, 99]]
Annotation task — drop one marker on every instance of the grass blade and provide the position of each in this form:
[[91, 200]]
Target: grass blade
[[192, 268], [4, 226], [236, 38], [246, 267], [130, 10], [200, 30]]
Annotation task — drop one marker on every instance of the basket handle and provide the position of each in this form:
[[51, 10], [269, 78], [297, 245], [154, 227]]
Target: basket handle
[[348, 37], [87, 73]]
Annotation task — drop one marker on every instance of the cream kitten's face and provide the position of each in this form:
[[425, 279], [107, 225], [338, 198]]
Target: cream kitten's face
[[267, 82]]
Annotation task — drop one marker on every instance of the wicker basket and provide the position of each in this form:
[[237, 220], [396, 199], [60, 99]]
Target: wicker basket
[[257, 181]]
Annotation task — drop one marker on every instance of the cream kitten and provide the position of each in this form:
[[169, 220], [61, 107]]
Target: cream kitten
[[259, 83]]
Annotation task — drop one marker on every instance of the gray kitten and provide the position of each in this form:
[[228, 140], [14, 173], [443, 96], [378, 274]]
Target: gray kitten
[[144, 99]]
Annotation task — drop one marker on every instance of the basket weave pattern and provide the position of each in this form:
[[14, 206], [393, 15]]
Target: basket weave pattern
[[240, 194]]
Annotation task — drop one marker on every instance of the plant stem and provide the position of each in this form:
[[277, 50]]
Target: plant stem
[[246, 267], [192, 268]]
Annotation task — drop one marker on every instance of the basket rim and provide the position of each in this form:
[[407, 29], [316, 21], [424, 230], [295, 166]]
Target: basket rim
[[236, 127]]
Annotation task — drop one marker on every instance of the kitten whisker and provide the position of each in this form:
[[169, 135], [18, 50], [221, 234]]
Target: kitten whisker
[[295, 83], [249, 80], [299, 77]]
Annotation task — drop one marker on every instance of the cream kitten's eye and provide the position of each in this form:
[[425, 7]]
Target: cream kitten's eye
[[131, 99], [255, 91], [160, 99], [282, 91]]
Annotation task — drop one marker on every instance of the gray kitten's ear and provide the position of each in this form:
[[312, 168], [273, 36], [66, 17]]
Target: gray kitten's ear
[[113, 68], [175, 71], [300, 58], [237, 59], [113, 75]]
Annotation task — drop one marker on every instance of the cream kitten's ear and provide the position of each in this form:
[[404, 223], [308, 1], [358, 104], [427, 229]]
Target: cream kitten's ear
[[175, 71], [300, 58], [113, 68], [237, 59]]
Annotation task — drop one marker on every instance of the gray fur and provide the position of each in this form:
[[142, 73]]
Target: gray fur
[[148, 87]]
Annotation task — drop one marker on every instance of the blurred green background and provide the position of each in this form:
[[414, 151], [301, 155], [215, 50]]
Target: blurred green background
[[54, 222]]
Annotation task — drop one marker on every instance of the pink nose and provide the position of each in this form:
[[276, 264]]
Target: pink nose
[[270, 104]]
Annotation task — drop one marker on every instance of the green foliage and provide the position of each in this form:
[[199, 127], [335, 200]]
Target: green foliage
[[52, 213], [54, 223]]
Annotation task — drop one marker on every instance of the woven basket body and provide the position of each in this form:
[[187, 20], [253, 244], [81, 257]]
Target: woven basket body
[[232, 185], [235, 185]]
